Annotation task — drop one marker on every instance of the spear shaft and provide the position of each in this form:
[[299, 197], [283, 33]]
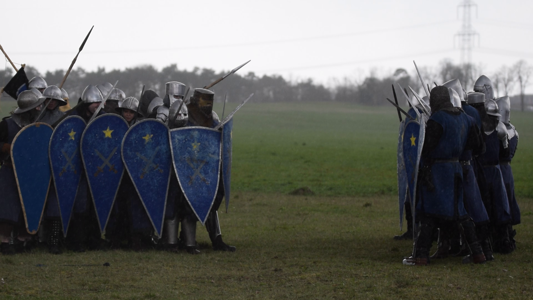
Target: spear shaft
[[75, 58], [224, 77], [12, 64]]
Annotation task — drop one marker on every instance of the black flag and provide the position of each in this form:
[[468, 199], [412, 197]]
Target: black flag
[[17, 84]]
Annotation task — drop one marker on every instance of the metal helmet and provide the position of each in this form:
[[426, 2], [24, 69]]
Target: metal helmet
[[475, 97], [203, 98], [53, 92], [146, 99], [91, 94], [504, 105], [37, 82], [175, 88], [178, 118], [153, 104], [491, 107], [64, 94], [455, 85], [130, 103], [105, 88], [26, 101], [162, 113], [116, 94], [454, 98], [484, 85]]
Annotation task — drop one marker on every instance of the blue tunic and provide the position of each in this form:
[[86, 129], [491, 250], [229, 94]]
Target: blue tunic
[[508, 180], [497, 203], [471, 193], [445, 200]]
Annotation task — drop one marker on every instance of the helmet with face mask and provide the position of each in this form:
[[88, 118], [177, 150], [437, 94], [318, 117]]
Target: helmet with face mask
[[174, 90], [504, 105], [203, 98], [178, 118]]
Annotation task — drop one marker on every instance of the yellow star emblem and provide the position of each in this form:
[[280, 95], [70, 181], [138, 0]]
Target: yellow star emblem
[[413, 140], [147, 138], [195, 145], [107, 133], [72, 134]]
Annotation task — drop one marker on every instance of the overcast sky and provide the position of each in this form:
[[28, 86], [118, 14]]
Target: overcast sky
[[296, 39]]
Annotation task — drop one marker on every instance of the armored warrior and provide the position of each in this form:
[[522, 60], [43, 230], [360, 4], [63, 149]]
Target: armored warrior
[[52, 225], [54, 98], [174, 91], [504, 105], [178, 210], [114, 100], [128, 110], [83, 225], [449, 132], [65, 97], [29, 106], [201, 114]]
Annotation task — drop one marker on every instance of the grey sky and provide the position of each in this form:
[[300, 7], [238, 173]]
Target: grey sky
[[296, 39]]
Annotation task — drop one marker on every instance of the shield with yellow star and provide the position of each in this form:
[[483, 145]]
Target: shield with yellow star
[[66, 164], [29, 152], [196, 155], [146, 155], [100, 151], [412, 143]]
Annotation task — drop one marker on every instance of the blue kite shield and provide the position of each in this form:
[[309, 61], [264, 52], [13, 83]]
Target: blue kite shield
[[227, 136], [100, 151], [32, 171], [412, 141], [402, 176], [196, 155], [146, 155], [67, 167]]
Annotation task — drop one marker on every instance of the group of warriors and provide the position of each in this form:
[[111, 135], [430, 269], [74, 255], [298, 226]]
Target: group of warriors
[[454, 173], [127, 193]]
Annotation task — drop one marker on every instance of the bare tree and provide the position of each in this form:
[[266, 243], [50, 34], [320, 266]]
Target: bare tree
[[507, 79], [523, 72]]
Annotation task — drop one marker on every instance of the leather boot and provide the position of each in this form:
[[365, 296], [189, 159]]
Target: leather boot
[[443, 250], [476, 252], [213, 228]]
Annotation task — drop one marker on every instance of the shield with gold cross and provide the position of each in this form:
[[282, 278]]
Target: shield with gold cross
[[146, 155], [67, 167], [412, 143], [100, 151], [29, 152], [196, 155]]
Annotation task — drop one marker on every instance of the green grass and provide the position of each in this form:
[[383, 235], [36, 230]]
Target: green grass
[[336, 244], [288, 247]]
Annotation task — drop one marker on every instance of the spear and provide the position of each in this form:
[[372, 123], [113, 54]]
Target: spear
[[426, 89], [396, 100], [233, 112], [399, 109], [224, 77], [75, 58], [12, 64]]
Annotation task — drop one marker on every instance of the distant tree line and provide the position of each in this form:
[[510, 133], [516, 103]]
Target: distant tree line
[[370, 90]]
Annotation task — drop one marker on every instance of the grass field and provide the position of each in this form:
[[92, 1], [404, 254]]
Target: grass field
[[336, 244]]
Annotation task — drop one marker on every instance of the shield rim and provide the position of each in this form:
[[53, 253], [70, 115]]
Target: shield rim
[[17, 179], [227, 186], [102, 229], [176, 171], [137, 190], [65, 231]]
